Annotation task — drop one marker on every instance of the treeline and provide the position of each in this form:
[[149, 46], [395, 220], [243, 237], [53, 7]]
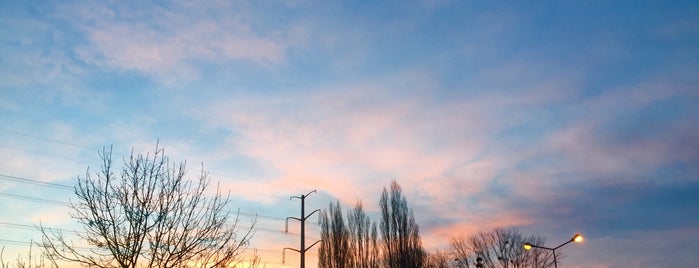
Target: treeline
[[499, 248], [357, 242], [150, 214], [354, 240]]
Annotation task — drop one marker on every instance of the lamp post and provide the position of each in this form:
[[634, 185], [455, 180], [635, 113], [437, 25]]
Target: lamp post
[[576, 238]]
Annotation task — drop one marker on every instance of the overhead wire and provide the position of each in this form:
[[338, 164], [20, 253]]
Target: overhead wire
[[66, 187], [123, 154], [34, 199], [44, 154], [20, 179], [24, 226], [25, 243], [44, 139], [15, 242], [34, 228], [30, 227], [57, 202], [35, 182]]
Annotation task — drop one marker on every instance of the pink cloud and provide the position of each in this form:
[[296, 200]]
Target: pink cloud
[[352, 142], [167, 46], [439, 237]]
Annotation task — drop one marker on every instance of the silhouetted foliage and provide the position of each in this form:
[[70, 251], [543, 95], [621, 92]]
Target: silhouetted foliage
[[149, 216], [500, 248], [334, 250], [437, 259], [400, 234], [356, 244], [363, 246]]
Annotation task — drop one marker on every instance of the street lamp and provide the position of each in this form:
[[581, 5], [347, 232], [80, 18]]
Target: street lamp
[[575, 238]]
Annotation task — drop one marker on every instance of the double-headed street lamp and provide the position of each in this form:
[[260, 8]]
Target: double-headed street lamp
[[576, 238]]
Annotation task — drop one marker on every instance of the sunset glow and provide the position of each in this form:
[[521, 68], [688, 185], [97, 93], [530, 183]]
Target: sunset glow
[[553, 118]]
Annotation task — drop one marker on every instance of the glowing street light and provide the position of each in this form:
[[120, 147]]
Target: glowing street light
[[576, 238]]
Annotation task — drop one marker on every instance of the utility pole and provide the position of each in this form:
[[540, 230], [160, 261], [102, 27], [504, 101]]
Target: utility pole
[[302, 250]]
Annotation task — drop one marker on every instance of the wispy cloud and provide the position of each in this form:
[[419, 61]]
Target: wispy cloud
[[169, 43], [364, 135], [555, 119]]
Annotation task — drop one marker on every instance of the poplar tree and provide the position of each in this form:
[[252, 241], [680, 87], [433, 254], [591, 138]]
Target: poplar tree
[[400, 235], [334, 249], [363, 237]]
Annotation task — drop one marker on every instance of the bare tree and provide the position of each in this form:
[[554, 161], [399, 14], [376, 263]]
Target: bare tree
[[149, 216], [32, 261], [500, 248], [363, 237], [538, 257], [254, 261], [437, 259], [402, 246], [334, 251]]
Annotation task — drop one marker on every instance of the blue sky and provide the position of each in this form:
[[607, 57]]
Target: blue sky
[[552, 117]]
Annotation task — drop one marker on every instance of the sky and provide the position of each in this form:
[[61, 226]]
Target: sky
[[552, 117]]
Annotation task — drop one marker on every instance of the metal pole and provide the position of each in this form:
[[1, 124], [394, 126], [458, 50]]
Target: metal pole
[[576, 238], [303, 232], [303, 219]]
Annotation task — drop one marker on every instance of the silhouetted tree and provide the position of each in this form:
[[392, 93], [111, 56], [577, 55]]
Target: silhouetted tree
[[351, 245], [149, 216], [364, 249], [31, 261], [400, 234], [254, 261], [334, 250], [501, 248], [537, 257], [437, 259]]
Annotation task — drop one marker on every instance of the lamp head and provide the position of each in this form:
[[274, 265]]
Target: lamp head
[[577, 238], [527, 246]]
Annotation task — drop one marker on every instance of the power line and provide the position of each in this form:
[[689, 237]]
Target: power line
[[95, 164], [44, 154], [35, 182], [25, 243], [67, 187], [29, 227], [44, 139], [257, 215], [56, 202], [49, 184], [18, 226], [123, 154], [34, 227], [15, 242], [34, 199]]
